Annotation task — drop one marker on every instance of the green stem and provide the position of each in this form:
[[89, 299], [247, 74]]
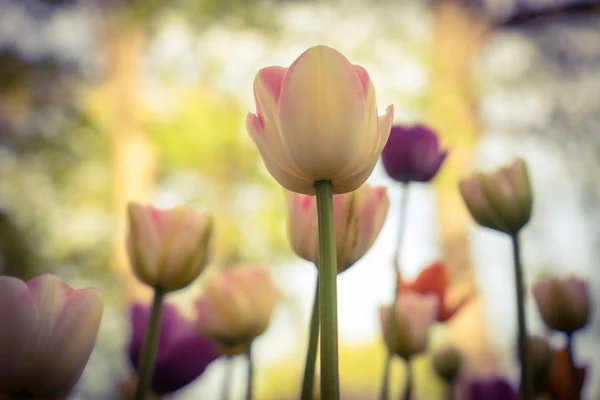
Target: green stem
[[311, 353], [385, 384], [409, 381], [250, 377], [526, 390], [330, 388], [149, 350], [226, 379], [576, 380]]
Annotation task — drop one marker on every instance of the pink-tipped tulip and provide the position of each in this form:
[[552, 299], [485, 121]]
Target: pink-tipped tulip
[[168, 248], [317, 120], [47, 335], [563, 303], [413, 317], [236, 307], [501, 200], [358, 217]]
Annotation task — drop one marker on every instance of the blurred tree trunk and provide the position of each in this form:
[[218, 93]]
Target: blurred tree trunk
[[458, 36], [132, 155]]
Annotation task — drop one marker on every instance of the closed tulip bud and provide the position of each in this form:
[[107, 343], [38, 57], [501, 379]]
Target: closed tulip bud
[[501, 200], [563, 303], [317, 120], [447, 363], [47, 336], [183, 354], [236, 307], [412, 154], [358, 218], [413, 316], [168, 248]]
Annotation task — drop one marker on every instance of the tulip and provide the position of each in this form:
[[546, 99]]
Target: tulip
[[183, 354], [236, 307], [47, 336], [563, 303], [412, 154], [358, 217], [168, 249], [491, 389], [541, 355], [565, 381], [447, 363], [501, 200], [434, 280], [317, 121], [413, 316]]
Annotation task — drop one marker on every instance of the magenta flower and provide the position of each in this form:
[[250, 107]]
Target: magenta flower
[[491, 389], [47, 334], [183, 354], [412, 154]]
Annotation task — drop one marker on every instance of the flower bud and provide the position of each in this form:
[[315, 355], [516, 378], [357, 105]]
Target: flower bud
[[447, 363], [413, 316], [501, 200], [358, 218], [183, 354], [412, 154], [47, 336], [317, 120], [564, 304], [236, 307], [168, 248]]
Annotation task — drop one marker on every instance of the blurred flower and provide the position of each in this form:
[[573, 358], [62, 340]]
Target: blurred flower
[[47, 336], [317, 120], [447, 363], [168, 248], [540, 355], [413, 316], [183, 354], [561, 384], [358, 218], [412, 154], [236, 307], [501, 200], [563, 303], [129, 386], [434, 280], [491, 389]]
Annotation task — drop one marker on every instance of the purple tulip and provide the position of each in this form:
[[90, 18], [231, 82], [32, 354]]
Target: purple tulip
[[492, 389], [183, 354], [412, 154]]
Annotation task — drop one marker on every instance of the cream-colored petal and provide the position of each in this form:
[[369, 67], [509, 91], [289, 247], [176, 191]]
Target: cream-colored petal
[[19, 315], [372, 207], [302, 225], [143, 243], [274, 160], [322, 111]]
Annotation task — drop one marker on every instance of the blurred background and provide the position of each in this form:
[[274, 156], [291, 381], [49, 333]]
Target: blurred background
[[106, 101]]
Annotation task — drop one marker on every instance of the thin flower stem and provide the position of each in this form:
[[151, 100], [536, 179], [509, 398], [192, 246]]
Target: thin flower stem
[[330, 388], [250, 376], [385, 385], [149, 350], [308, 381], [409, 381], [526, 390], [576, 380], [226, 378]]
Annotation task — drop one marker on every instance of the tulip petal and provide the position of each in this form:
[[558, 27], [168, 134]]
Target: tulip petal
[[143, 234], [373, 204], [302, 225], [19, 316], [276, 158], [322, 107]]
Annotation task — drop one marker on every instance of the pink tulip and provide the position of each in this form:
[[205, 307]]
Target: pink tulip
[[47, 336], [236, 307], [317, 120], [413, 316], [168, 248], [358, 217], [563, 303]]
